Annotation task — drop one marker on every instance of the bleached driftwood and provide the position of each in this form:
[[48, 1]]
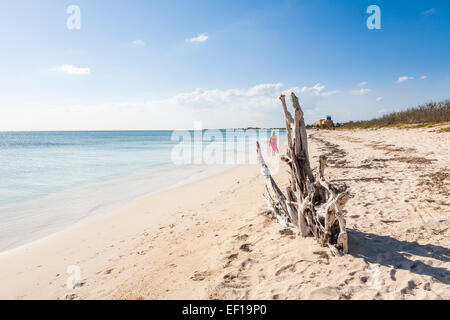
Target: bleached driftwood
[[310, 203]]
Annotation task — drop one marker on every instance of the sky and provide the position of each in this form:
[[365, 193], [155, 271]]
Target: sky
[[144, 64]]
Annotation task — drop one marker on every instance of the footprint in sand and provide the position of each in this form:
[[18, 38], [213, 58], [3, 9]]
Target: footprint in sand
[[72, 296], [245, 247], [325, 258], [242, 237], [246, 264], [261, 277], [409, 289], [289, 267], [108, 271], [200, 276], [230, 259], [229, 277], [392, 274], [287, 232]]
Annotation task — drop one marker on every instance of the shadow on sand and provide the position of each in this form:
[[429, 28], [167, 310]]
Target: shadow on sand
[[390, 252]]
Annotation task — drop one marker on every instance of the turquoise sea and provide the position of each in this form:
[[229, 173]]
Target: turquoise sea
[[49, 180]]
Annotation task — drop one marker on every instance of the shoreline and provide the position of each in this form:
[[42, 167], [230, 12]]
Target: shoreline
[[92, 200]]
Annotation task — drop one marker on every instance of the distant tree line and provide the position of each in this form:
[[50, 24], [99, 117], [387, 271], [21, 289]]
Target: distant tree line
[[430, 112]]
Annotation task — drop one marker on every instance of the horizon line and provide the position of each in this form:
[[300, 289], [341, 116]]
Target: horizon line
[[142, 130]]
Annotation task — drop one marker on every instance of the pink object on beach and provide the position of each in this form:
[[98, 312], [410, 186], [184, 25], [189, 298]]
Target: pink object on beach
[[273, 144]]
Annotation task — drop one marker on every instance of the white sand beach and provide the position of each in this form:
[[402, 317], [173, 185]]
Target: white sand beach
[[209, 240]]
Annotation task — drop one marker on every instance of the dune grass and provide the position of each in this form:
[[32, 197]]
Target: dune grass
[[423, 116]]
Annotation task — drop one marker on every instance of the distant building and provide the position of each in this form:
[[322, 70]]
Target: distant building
[[322, 123], [318, 123]]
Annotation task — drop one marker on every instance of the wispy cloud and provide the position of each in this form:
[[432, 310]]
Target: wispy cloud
[[379, 99], [138, 43], [423, 77], [382, 111], [429, 11], [360, 92], [199, 38], [316, 90], [404, 78], [363, 83], [72, 70]]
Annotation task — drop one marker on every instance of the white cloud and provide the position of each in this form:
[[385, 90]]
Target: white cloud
[[361, 92], [262, 96], [430, 11], [379, 99], [363, 83], [403, 79], [138, 43], [382, 111], [72, 70], [316, 90], [240, 107], [423, 77], [257, 97], [199, 38]]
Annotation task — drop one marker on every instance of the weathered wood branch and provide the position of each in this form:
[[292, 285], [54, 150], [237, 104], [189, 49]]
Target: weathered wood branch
[[311, 203]]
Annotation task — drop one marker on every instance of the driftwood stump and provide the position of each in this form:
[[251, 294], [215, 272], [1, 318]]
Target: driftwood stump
[[310, 203]]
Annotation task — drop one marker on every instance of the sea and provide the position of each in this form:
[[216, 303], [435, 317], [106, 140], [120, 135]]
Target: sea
[[51, 180]]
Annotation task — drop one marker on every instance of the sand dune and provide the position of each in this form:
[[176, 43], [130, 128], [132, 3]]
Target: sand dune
[[208, 239]]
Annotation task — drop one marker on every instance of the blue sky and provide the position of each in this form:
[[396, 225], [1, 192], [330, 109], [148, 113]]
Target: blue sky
[[137, 64]]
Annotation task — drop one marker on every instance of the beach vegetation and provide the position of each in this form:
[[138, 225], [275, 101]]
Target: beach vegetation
[[426, 115]]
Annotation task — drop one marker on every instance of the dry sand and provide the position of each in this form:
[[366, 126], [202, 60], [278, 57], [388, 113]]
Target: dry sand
[[209, 240]]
